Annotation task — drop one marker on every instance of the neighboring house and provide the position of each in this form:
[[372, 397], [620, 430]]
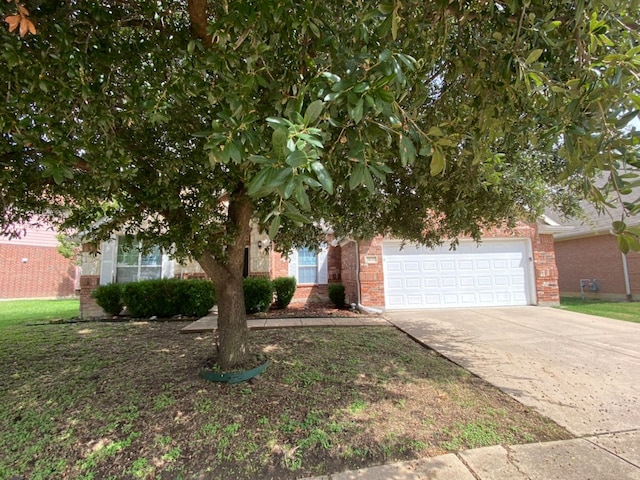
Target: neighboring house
[[510, 267], [31, 267], [589, 260]]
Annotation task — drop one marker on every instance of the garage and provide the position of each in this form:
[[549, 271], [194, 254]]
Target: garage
[[497, 272]]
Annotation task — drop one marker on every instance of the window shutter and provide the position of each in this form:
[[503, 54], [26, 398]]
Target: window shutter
[[108, 262], [167, 266], [323, 265], [293, 264]]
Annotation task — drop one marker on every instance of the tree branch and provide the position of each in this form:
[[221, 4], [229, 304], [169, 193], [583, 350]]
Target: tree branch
[[198, 16]]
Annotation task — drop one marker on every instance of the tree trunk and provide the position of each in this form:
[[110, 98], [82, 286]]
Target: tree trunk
[[226, 274]]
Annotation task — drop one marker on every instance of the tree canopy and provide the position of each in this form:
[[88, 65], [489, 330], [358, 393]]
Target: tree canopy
[[180, 121]]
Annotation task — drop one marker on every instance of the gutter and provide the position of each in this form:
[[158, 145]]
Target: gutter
[[625, 270]]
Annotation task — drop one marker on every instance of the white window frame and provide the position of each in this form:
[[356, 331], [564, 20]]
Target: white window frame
[[322, 276], [109, 260]]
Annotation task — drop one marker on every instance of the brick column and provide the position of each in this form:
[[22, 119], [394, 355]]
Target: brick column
[[546, 271], [88, 306]]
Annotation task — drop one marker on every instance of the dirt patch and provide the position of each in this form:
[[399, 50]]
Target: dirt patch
[[309, 311], [125, 401]]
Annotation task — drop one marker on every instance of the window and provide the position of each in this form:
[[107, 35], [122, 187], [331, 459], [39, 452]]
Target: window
[[132, 265], [307, 266]]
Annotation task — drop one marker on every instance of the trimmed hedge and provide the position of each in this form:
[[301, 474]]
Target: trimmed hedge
[[109, 298], [284, 287], [258, 294], [336, 294], [163, 298], [196, 297]]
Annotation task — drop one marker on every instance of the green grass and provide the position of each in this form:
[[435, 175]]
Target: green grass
[[629, 311], [19, 312], [124, 400]]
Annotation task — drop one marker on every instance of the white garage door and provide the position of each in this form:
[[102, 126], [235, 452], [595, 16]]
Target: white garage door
[[495, 273]]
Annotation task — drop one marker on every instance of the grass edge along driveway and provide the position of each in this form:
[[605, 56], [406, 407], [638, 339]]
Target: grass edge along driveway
[[627, 311], [113, 400]]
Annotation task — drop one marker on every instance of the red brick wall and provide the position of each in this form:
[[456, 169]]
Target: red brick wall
[[371, 273], [46, 273], [307, 294], [596, 257], [545, 269], [88, 306]]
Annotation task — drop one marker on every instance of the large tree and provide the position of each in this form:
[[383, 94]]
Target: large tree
[[182, 121]]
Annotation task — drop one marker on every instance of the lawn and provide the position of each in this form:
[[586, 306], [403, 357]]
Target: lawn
[[114, 400], [629, 311], [20, 312]]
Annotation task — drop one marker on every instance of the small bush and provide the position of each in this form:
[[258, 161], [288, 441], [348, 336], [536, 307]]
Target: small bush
[[166, 298], [258, 294], [336, 294], [196, 297], [284, 287], [109, 297]]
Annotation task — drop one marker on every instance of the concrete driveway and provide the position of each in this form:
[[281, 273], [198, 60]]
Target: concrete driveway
[[579, 370]]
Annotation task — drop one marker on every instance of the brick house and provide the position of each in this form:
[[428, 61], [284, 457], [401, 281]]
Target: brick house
[[32, 267], [510, 267], [589, 260]]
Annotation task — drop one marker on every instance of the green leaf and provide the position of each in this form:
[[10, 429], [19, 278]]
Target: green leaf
[[313, 112], [623, 245], [361, 87], [323, 176], [278, 121], [407, 151], [437, 162], [357, 176], [279, 139], [618, 226], [312, 182], [297, 217], [331, 76], [357, 111], [234, 151], [301, 197], [273, 228], [533, 56], [368, 181], [395, 24], [408, 60], [297, 158], [258, 181], [385, 7]]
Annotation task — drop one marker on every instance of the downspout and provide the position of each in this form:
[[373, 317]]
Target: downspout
[[625, 269], [361, 307]]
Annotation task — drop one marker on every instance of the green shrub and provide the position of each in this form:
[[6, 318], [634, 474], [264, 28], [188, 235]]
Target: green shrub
[[258, 294], [196, 297], [166, 298], [336, 294], [109, 297], [284, 287]]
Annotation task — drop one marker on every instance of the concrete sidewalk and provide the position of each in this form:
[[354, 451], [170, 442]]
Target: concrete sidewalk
[[210, 322], [607, 457]]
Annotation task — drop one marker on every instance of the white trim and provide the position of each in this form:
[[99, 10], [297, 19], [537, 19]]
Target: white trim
[[322, 266], [108, 261]]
